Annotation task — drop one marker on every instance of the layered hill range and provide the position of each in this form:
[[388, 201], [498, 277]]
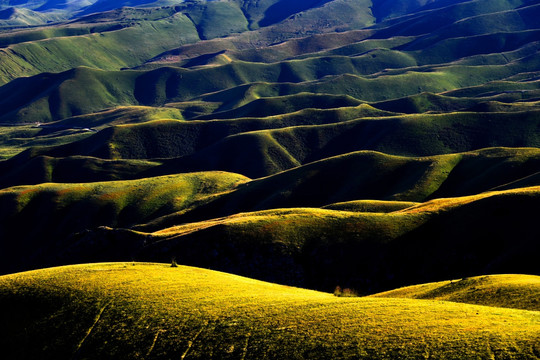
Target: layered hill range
[[346, 146], [365, 144]]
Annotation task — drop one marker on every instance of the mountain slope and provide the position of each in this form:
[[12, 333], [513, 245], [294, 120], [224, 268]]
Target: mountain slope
[[13, 17]]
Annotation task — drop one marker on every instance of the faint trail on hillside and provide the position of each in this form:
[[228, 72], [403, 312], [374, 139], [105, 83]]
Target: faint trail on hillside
[[427, 353], [192, 341], [490, 352], [155, 340], [245, 348], [96, 320]]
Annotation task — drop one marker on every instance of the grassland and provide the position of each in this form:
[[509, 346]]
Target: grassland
[[155, 311], [16, 138], [72, 208], [107, 35], [282, 141], [365, 251], [374, 176], [511, 291], [207, 220], [376, 65], [352, 176], [145, 197], [275, 144], [375, 122], [54, 97], [13, 17], [107, 50]]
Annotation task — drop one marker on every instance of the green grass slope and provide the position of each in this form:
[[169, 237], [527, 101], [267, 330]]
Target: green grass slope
[[16, 138], [76, 169], [110, 50], [13, 17], [187, 22], [511, 291], [71, 208], [68, 99], [419, 135], [370, 175], [359, 175], [493, 232], [153, 311], [241, 146], [376, 76], [115, 116], [439, 103], [282, 105], [425, 102]]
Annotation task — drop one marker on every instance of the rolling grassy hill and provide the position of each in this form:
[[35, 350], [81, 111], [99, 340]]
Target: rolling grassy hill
[[316, 248], [354, 146], [370, 175], [76, 207], [13, 17], [155, 311], [157, 28], [247, 147], [511, 291], [57, 96], [395, 112], [85, 45], [366, 251]]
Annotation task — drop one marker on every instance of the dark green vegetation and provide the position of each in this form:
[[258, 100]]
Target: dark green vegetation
[[369, 145]]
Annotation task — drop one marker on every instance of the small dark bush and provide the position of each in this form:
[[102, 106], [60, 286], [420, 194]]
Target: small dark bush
[[345, 292]]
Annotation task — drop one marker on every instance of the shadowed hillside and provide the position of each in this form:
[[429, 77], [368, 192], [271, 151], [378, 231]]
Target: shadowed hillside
[[313, 248], [368, 252], [370, 175], [239, 146], [76, 207]]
